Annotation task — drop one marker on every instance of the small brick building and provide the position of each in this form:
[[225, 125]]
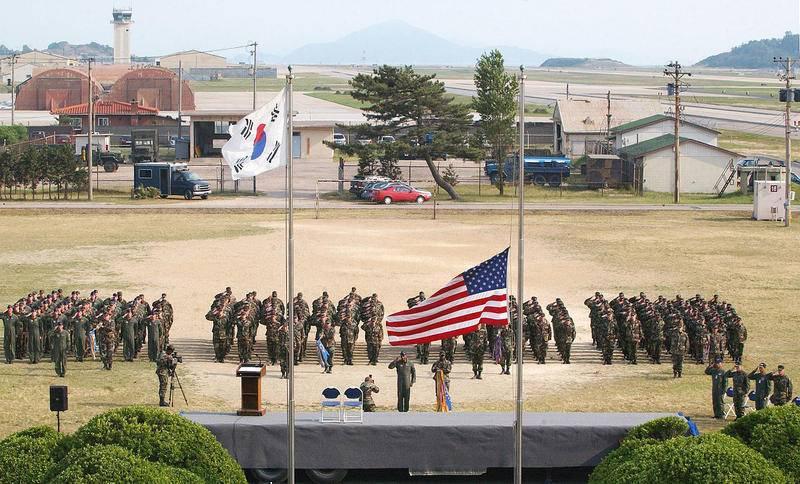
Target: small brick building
[[116, 116]]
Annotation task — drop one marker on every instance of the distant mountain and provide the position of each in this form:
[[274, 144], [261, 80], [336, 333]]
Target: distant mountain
[[397, 42], [584, 63], [756, 54], [92, 49]]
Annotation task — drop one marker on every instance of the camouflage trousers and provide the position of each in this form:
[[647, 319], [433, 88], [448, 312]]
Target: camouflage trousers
[[272, 348], [220, 342], [373, 351], [245, 347], [477, 360], [163, 384], [677, 364], [107, 351], [541, 351], [422, 353]]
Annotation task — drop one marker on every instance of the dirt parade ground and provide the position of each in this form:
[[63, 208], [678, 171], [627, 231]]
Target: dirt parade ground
[[192, 256]]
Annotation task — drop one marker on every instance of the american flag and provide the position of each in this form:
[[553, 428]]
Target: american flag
[[476, 296]]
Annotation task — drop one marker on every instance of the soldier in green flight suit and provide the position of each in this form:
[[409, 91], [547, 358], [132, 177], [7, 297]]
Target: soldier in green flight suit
[[153, 337], [719, 384], [741, 386], [9, 334], [80, 326], [128, 333], [34, 329], [58, 351], [763, 385]]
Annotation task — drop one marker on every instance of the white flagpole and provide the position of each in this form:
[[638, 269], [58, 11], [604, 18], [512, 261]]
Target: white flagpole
[[290, 280], [520, 280]]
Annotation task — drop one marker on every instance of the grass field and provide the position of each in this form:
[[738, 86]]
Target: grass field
[[567, 254], [742, 142], [302, 82], [488, 193]]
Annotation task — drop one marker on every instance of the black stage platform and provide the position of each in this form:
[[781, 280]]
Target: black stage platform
[[422, 441]]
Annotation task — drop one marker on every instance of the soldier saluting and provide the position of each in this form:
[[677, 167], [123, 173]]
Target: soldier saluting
[[763, 385], [782, 387]]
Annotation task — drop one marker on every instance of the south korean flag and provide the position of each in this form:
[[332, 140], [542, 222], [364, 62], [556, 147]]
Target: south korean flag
[[258, 140]]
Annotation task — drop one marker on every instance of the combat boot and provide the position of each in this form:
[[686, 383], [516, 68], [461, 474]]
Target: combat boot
[[478, 376], [163, 403]]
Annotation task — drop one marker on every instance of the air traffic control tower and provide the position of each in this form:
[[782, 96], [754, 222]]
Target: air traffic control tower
[[122, 26]]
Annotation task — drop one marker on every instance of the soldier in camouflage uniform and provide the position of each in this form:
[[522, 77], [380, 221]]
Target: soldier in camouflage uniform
[[283, 349], [367, 389], [478, 343], [347, 316], [736, 336], [299, 337], [327, 336], [540, 336], [219, 336], [608, 334], [108, 340], [716, 345], [507, 349], [449, 348], [353, 297], [513, 315], [9, 334], [679, 343], [422, 349], [302, 316], [165, 365], [781, 387], [165, 308], [272, 311], [445, 365], [243, 323], [741, 385], [563, 329], [594, 304], [372, 315]]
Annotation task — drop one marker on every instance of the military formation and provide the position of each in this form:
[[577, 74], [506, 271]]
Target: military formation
[[239, 320], [61, 326], [702, 330]]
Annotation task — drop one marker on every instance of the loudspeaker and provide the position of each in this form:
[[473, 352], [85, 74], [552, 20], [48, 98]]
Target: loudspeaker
[[58, 398]]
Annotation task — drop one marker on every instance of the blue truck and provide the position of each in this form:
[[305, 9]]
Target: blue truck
[[170, 179], [552, 170]]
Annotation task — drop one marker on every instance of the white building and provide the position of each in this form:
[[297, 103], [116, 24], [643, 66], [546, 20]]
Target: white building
[[122, 35], [580, 124], [653, 163], [658, 125], [193, 59]]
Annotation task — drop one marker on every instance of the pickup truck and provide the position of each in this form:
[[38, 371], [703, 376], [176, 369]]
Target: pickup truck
[[539, 170]]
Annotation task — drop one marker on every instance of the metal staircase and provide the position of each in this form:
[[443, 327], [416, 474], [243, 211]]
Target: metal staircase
[[725, 178]]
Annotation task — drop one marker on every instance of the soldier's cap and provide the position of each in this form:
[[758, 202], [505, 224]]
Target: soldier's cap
[[780, 367], [762, 365], [402, 353], [718, 360], [170, 348]]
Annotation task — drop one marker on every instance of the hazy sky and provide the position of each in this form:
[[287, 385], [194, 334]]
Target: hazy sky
[[634, 31]]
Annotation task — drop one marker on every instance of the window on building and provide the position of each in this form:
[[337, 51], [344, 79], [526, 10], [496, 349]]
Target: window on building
[[146, 174], [102, 122], [221, 127]]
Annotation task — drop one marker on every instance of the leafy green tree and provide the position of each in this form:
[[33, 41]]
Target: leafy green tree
[[417, 111], [12, 134], [497, 106]]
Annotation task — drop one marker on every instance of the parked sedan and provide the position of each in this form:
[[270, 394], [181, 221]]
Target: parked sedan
[[400, 193]]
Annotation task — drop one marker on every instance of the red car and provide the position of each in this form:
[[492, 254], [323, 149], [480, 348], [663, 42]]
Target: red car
[[400, 193]]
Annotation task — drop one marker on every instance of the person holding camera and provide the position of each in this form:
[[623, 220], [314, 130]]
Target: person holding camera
[[166, 364], [367, 389]]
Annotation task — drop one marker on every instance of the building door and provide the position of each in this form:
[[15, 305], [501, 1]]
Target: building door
[[164, 181], [296, 145]]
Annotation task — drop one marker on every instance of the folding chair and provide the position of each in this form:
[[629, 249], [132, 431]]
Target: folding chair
[[353, 409], [331, 405], [730, 407]]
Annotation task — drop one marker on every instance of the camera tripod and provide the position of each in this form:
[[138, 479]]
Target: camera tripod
[[173, 377]]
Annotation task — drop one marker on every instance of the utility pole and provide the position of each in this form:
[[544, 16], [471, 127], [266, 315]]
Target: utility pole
[[255, 71], [787, 75], [520, 281], [608, 121], [13, 90], [674, 70], [89, 147], [180, 99]]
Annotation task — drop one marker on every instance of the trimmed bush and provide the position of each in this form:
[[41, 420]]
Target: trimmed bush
[[159, 436], [709, 458], [25, 457], [102, 464], [664, 428], [775, 433]]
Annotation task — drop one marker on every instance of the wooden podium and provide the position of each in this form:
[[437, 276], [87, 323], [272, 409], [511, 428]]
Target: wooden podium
[[251, 374]]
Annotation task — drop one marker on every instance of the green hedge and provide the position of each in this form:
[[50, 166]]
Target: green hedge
[[711, 458], [159, 436], [25, 457], [102, 464], [775, 433], [660, 429]]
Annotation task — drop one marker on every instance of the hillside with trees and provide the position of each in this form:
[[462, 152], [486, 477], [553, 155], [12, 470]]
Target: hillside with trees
[[756, 54]]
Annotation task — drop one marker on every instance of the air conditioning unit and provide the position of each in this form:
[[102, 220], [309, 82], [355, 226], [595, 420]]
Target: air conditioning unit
[[768, 200]]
